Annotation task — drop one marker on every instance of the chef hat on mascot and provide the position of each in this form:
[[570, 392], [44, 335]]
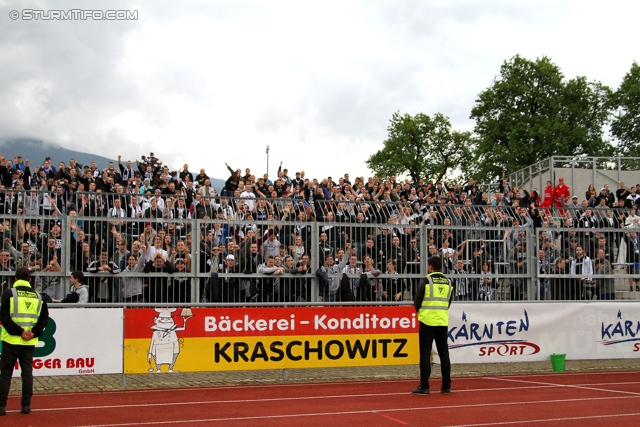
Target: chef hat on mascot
[[165, 313]]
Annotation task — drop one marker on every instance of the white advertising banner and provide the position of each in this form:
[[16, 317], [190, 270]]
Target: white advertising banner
[[80, 341], [494, 333]]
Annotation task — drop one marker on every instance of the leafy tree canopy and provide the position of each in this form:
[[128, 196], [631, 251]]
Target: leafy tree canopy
[[530, 113], [625, 102], [422, 147]]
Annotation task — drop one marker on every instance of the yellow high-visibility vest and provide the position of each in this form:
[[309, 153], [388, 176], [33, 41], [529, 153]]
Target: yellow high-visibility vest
[[434, 310], [24, 309]]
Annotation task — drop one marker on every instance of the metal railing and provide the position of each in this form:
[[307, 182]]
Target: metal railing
[[577, 170], [390, 241]]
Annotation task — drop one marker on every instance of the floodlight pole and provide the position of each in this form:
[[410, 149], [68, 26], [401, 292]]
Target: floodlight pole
[[267, 151]]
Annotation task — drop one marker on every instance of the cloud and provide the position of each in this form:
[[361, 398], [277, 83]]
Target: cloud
[[208, 82]]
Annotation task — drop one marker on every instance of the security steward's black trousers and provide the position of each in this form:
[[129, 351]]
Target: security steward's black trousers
[[10, 354], [426, 336]]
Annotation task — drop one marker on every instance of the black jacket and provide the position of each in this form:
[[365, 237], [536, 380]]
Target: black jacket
[[10, 326]]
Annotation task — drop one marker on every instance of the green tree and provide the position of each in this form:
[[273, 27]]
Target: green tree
[[422, 147], [530, 113], [625, 102]]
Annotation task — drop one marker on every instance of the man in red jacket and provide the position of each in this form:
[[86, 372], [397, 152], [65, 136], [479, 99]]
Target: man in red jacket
[[561, 195], [547, 201]]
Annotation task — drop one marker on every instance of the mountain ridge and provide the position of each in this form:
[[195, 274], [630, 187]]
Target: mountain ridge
[[36, 150]]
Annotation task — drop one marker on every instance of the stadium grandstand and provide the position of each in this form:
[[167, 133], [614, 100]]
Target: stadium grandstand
[[142, 233]]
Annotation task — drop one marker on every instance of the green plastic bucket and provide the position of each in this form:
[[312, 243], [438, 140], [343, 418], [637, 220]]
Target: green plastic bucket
[[558, 362]]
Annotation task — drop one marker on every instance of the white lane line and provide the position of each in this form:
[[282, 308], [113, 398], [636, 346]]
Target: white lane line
[[282, 399], [199, 390], [359, 412], [573, 386], [547, 420], [572, 374], [308, 384], [533, 386]]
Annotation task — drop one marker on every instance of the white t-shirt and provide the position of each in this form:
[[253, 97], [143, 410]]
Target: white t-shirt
[[248, 195]]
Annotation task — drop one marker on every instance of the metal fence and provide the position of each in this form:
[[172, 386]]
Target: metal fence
[[578, 170], [295, 251]]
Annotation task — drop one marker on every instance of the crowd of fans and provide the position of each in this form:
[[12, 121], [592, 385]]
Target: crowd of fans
[[254, 240]]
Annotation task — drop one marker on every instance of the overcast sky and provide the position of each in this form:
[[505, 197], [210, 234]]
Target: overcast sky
[[210, 82]]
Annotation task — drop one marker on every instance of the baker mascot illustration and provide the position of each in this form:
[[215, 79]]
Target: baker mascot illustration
[[165, 345]]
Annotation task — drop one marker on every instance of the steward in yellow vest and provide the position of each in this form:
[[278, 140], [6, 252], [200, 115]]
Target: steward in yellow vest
[[432, 302], [24, 316]]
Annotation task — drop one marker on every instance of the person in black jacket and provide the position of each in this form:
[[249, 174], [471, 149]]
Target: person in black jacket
[[159, 288], [430, 302], [19, 340]]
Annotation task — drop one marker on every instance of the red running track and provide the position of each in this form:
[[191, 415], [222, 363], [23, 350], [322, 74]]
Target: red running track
[[568, 399]]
